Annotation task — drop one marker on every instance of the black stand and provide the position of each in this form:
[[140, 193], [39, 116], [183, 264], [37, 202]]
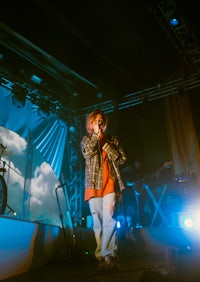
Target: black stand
[[11, 210], [69, 247], [3, 195], [60, 213]]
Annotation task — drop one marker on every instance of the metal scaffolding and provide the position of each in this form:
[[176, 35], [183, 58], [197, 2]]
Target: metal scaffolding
[[149, 94], [183, 32]]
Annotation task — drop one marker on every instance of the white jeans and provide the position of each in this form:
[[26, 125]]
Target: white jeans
[[104, 225]]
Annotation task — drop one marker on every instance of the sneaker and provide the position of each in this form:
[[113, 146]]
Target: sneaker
[[111, 264], [101, 265]]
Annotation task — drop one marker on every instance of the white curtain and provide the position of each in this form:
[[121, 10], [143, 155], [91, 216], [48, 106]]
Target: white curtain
[[183, 140]]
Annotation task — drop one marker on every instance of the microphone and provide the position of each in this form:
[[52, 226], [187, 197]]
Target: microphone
[[100, 123]]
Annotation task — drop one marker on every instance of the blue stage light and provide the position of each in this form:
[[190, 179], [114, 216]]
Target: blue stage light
[[118, 224], [174, 22], [188, 222], [36, 79]]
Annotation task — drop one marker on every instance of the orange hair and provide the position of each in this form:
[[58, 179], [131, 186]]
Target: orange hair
[[92, 116]]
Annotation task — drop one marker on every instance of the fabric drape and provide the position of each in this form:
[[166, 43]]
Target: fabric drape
[[183, 139]]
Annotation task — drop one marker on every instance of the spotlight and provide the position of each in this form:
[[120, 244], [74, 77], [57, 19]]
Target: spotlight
[[72, 129], [45, 106], [189, 220], [118, 224], [99, 95], [36, 79], [19, 96], [174, 21], [174, 18]]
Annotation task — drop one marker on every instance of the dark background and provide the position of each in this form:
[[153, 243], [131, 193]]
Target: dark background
[[121, 47]]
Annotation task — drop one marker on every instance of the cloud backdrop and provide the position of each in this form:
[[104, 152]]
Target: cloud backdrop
[[44, 205]]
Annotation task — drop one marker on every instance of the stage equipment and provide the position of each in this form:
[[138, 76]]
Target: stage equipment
[[157, 204], [68, 213], [3, 185], [150, 205], [19, 95], [3, 194]]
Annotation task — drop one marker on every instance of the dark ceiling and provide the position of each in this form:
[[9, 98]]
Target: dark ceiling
[[119, 46]]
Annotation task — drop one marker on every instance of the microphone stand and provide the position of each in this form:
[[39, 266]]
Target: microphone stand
[[61, 215], [11, 210]]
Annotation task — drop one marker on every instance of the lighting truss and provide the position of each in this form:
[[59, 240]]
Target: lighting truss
[[150, 94], [182, 32], [159, 91], [44, 98]]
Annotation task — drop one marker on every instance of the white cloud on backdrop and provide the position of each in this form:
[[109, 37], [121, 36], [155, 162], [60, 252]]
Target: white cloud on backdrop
[[43, 201], [12, 141]]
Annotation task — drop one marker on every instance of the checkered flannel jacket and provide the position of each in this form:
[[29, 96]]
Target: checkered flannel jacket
[[93, 160]]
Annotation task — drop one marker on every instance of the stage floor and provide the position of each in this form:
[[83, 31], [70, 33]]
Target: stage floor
[[139, 258], [83, 268]]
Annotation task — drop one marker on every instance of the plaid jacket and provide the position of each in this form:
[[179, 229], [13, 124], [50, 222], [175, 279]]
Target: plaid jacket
[[93, 160]]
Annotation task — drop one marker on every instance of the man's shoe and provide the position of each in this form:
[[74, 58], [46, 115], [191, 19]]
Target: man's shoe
[[111, 264], [101, 265]]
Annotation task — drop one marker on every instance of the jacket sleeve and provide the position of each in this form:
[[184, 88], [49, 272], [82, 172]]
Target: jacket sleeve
[[89, 146], [115, 151]]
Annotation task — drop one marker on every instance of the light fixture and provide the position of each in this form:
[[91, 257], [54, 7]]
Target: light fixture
[[19, 96], [45, 106], [174, 17], [100, 95], [174, 21], [36, 79]]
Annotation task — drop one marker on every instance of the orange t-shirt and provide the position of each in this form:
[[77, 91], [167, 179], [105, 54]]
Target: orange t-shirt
[[108, 182]]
